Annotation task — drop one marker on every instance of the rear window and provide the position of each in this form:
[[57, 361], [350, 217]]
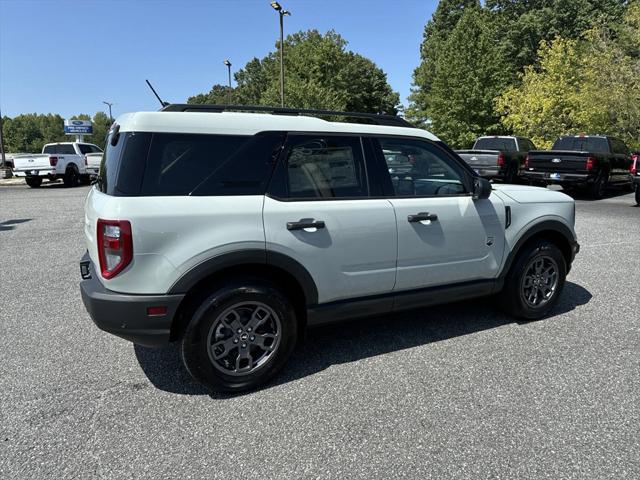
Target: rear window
[[582, 144], [502, 144], [166, 164]]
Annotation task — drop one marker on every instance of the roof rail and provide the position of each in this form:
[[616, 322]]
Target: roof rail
[[377, 119]]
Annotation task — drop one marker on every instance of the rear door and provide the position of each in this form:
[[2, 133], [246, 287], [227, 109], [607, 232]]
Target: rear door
[[320, 212], [444, 235]]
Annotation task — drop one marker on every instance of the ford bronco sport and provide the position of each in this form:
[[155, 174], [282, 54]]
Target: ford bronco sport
[[231, 231]]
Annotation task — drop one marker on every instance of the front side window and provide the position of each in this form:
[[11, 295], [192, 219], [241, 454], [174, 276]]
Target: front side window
[[325, 167], [49, 149], [420, 169], [84, 148], [66, 149]]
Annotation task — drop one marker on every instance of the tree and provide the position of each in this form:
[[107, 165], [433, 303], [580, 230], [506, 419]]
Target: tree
[[436, 31], [468, 74], [218, 95], [319, 73]]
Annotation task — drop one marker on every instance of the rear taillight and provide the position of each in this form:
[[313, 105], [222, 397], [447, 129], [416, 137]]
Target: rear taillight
[[526, 161], [501, 159], [115, 246], [634, 164], [53, 161], [591, 163]]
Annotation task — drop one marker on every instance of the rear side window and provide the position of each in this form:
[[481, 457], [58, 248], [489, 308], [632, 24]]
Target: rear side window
[[66, 149], [49, 149], [502, 144], [325, 167], [169, 164]]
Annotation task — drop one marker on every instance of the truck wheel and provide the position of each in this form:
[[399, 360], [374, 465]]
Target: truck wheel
[[535, 281], [240, 336], [599, 187], [33, 182], [71, 177], [638, 194], [512, 175], [85, 179]]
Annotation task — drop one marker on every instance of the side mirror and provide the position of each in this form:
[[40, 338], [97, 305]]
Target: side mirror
[[481, 188]]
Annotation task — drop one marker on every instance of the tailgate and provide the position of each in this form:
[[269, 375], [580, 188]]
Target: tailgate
[[480, 158], [93, 160], [561, 161], [31, 162]]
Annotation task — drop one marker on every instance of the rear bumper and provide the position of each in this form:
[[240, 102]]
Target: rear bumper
[[126, 315], [564, 178], [490, 172], [35, 173]]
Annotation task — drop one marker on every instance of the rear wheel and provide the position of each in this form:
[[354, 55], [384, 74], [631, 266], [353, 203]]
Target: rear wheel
[[240, 336], [535, 281], [638, 193], [33, 182], [71, 177], [599, 187]]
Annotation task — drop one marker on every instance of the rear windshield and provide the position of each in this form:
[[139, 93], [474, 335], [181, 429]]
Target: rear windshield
[[163, 164], [502, 144], [582, 144]]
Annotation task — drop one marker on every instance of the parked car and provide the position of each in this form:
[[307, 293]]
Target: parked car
[[231, 232], [498, 157], [65, 160], [593, 162]]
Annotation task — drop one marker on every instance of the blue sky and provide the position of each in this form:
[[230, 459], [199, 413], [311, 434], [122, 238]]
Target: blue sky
[[67, 56]]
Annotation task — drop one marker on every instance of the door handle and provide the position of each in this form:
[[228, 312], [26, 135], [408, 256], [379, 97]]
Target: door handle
[[422, 216], [303, 225]]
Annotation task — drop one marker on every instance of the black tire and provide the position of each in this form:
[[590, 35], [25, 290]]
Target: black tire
[[638, 193], [599, 187], [515, 295], [209, 328], [71, 177], [512, 175], [33, 182], [85, 179]]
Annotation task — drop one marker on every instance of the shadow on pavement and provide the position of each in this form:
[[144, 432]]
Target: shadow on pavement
[[354, 340], [11, 224]]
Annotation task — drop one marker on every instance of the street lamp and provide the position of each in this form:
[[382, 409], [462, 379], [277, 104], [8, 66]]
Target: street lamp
[[278, 8], [228, 64], [109, 105]]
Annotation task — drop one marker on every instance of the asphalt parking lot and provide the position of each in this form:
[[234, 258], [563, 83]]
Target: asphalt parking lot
[[460, 391]]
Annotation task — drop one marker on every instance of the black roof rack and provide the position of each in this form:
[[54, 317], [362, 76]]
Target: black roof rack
[[377, 119]]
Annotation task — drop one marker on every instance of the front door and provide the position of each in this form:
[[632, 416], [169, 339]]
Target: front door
[[444, 235]]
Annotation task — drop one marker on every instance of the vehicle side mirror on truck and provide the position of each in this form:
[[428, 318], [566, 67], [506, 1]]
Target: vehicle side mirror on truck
[[481, 188]]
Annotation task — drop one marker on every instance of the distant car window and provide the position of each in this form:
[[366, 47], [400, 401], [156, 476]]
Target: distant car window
[[325, 167], [502, 144], [66, 149], [619, 147], [582, 144], [419, 169], [84, 149], [50, 149], [95, 149]]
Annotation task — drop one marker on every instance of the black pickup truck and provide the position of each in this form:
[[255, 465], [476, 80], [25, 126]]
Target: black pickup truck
[[593, 162], [498, 157]]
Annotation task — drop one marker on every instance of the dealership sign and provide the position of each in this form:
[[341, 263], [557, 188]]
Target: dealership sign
[[78, 127]]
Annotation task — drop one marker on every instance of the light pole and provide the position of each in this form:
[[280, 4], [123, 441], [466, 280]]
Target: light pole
[[278, 8], [109, 105], [228, 64], [2, 159]]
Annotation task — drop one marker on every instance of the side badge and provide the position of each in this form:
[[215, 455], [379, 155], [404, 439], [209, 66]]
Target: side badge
[[489, 241]]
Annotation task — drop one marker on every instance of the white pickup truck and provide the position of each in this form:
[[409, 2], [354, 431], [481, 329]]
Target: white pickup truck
[[66, 160]]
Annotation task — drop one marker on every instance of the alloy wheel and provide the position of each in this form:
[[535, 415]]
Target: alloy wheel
[[540, 281]]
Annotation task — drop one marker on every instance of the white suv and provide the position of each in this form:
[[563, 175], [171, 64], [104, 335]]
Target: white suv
[[231, 232]]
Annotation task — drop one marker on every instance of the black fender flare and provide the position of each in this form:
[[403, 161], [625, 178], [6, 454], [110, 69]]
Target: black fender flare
[[544, 226], [221, 262]]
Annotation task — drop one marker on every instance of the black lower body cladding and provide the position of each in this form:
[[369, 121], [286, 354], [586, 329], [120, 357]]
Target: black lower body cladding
[[128, 316]]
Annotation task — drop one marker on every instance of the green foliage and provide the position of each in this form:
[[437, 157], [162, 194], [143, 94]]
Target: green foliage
[[468, 73], [28, 133], [319, 73], [590, 85]]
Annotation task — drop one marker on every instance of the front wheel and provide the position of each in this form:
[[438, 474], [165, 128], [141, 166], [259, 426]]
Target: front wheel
[[535, 281], [240, 336], [33, 182]]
